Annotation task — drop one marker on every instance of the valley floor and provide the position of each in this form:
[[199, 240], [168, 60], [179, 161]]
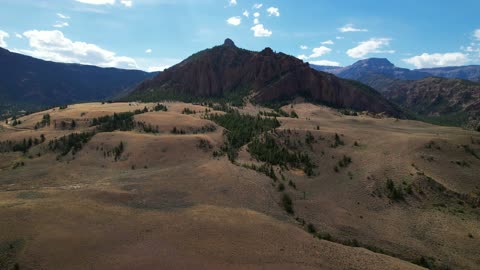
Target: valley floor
[[409, 195]]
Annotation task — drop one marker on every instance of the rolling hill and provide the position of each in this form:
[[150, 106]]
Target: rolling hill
[[135, 188]]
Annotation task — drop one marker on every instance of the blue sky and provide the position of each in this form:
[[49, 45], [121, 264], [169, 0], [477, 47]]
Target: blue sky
[[154, 34]]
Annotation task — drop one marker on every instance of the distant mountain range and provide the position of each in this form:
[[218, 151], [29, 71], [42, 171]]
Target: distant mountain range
[[30, 83], [439, 95], [229, 72], [363, 69]]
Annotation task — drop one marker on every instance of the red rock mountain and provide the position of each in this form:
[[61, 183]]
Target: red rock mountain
[[266, 77]]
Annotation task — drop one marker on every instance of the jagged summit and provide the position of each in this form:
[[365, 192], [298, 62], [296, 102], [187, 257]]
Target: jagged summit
[[266, 77], [229, 42], [267, 51]]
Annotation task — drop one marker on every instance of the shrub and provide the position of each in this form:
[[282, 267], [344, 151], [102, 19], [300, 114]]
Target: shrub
[[311, 228], [160, 107], [287, 204], [73, 142], [118, 121], [292, 184], [394, 193], [188, 111], [118, 151], [309, 139], [337, 141], [345, 161]]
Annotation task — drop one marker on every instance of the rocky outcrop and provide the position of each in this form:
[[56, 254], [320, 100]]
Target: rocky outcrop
[[268, 76]]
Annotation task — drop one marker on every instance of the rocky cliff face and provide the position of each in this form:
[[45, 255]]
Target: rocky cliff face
[[453, 99], [268, 76]]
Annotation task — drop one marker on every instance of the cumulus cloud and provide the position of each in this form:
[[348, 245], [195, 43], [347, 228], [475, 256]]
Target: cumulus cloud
[[3, 36], [260, 31], [61, 24], [325, 63], [62, 16], [127, 3], [234, 20], [18, 35], [97, 2], [427, 60], [339, 38], [256, 14], [476, 34], [273, 11], [350, 28], [54, 46], [317, 52], [472, 48], [256, 21], [328, 42], [257, 6], [302, 57], [232, 2], [246, 13], [148, 51], [373, 45]]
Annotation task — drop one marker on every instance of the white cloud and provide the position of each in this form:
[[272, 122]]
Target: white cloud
[[158, 68], [97, 2], [232, 2], [260, 31], [257, 6], [325, 63], [127, 3], [246, 13], [339, 38], [350, 28], [256, 14], [372, 45], [476, 34], [302, 57], [427, 60], [148, 51], [62, 16], [256, 21], [18, 35], [234, 20], [3, 36], [317, 52], [471, 48], [61, 24], [54, 46], [150, 64], [303, 47], [273, 11], [328, 42]]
